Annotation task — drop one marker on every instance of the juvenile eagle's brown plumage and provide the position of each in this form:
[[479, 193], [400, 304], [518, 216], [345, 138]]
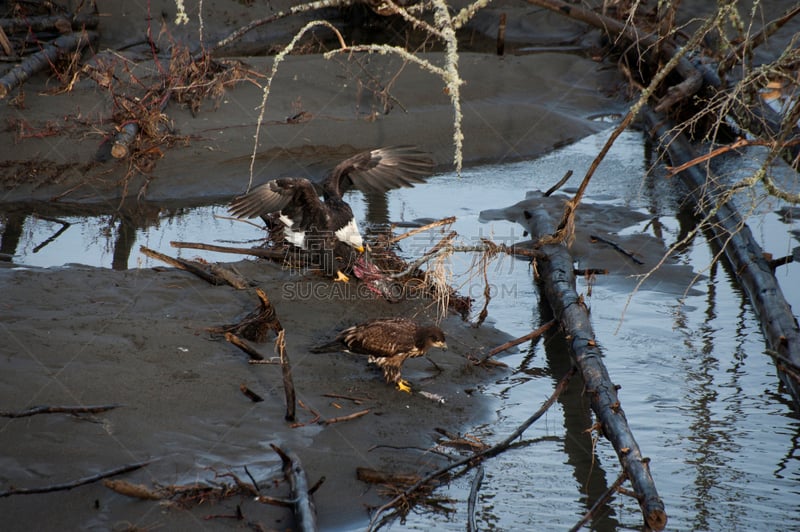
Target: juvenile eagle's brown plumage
[[388, 342]]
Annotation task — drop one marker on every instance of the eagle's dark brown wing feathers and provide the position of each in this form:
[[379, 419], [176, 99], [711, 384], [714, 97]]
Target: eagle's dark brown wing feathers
[[381, 169], [285, 194], [375, 170]]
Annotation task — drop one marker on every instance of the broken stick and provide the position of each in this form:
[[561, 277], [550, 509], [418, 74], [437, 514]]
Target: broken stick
[[288, 383], [244, 346], [75, 483], [511, 343], [348, 417], [444, 221], [305, 514], [59, 410]]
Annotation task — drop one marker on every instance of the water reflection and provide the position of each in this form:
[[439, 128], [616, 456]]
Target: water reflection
[[73, 232], [587, 467]]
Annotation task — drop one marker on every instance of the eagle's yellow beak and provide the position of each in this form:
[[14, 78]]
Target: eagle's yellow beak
[[360, 249]]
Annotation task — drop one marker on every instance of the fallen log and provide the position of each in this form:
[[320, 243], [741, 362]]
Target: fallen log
[[748, 263], [60, 23], [305, 514], [557, 278], [72, 42]]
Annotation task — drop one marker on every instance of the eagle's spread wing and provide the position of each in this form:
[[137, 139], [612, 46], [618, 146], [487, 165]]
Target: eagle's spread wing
[[381, 337], [291, 196], [380, 170]]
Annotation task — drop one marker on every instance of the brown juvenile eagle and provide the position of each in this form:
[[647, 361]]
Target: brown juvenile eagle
[[388, 342], [318, 226]]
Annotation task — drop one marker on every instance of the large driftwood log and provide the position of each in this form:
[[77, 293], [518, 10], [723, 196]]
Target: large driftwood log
[[556, 275], [753, 271]]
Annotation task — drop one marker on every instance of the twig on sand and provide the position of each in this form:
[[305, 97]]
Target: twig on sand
[[250, 394], [348, 417], [59, 410], [355, 400], [75, 483], [244, 346]]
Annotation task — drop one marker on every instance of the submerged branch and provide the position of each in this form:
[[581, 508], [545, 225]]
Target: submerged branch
[[475, 458], [511, 343]]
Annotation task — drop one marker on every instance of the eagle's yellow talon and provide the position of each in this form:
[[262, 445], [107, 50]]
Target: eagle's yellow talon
[[404, 386], [341, 277]]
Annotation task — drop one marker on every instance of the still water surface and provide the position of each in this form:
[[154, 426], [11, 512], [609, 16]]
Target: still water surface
[[701, 397]]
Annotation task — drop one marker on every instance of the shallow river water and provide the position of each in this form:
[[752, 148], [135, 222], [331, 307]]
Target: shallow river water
[[700, 395]]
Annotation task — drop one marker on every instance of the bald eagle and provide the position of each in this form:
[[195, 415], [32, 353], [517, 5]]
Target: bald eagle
[[388, 342], [321, 226]]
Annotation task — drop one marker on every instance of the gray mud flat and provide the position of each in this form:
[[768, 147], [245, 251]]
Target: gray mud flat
[[137, 338]]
